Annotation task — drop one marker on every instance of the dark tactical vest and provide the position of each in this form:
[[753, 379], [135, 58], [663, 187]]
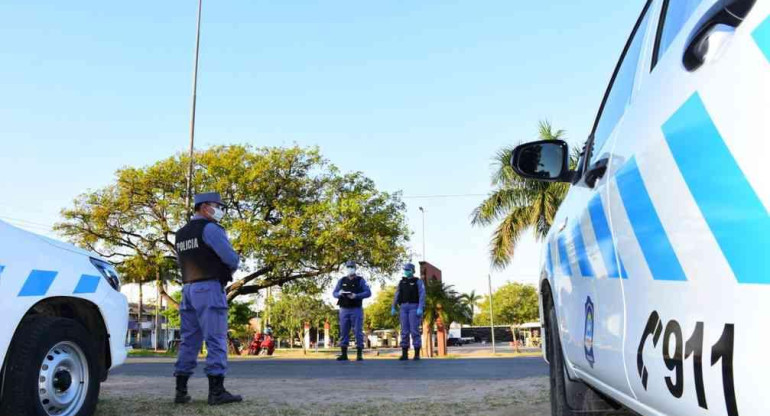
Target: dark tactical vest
[[351, 285], [408, 291], [199, 262]]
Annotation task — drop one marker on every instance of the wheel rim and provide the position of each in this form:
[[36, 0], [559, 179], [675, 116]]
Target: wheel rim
[[63, 380]]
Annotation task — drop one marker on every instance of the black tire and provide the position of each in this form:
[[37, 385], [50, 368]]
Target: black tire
[[28, 353], [569, 397]]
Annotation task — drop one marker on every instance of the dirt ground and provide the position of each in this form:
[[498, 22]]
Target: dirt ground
[[150, 396]]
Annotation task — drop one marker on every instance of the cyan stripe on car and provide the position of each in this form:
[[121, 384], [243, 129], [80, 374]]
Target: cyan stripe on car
[[604, 238], [563, 257], [580, 250], [38, 282], [733, 211], [548, 259], [761, 36], [649, 231], [87, 284]]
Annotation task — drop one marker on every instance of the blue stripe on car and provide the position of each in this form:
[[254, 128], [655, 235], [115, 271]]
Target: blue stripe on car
[[563, 258], [649, 231], [37, 283], [548, 259], [580, 249], [87, 284], [762, 36], [1, 269], [604, 237], [732, 210]]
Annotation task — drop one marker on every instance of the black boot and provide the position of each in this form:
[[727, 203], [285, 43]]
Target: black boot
[[217, 393], [181, 390], [360, 354], [344, 356], [404, 354], [417, 354]]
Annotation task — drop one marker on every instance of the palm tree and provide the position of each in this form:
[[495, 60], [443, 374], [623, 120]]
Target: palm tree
[[519, 204], [442, 301], [470, 300]]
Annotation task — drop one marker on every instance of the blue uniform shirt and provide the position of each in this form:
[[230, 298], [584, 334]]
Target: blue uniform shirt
[[365, 291], [420, 291], [216, 238]]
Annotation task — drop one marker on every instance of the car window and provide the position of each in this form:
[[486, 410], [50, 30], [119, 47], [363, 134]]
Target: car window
[[673, 16], [619, 95]]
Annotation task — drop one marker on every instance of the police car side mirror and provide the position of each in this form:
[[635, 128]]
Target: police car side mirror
[[544, 160]]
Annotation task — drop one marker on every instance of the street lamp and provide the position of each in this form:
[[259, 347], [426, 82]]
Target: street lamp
[[192, 115], [422, 210]]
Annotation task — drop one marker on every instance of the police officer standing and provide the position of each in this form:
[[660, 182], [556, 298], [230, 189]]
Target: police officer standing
[[350, 292], [410, 297], [207, 261]]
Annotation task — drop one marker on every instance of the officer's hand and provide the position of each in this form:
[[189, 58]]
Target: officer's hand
[[351, 295], [392, 311], [419, 311]]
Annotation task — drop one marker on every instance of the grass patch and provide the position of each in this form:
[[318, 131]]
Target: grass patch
[[150, 353]]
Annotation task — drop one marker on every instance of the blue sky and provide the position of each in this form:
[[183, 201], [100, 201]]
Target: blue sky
[[418, 95]]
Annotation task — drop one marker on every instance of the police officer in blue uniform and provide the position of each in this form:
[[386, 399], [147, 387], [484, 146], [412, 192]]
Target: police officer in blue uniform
[[350, 292], [207, 261], [410, 298]]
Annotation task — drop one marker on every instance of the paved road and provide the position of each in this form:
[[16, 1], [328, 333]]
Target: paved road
[[459, 369]]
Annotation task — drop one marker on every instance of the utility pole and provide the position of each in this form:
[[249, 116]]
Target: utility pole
[[423, 233], [491, 313], [158, 304], [192, 115]]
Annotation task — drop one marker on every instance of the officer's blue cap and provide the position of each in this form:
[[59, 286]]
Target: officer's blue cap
[[409, 266], [350, 263], [208, 197]]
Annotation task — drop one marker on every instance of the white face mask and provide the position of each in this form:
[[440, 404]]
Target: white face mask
[[217, 214], [351, 271]]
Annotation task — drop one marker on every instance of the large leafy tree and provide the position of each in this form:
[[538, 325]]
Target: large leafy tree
[[293, 217], [513, 303], [517, 204]]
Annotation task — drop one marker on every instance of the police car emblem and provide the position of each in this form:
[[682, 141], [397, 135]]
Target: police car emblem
[[589, 332]]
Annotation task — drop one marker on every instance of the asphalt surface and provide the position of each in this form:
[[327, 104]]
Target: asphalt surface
[[453, 369]]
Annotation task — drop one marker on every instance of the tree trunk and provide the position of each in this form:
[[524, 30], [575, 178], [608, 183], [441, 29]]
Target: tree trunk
[[171, 302], [301, 334], [139, 317]]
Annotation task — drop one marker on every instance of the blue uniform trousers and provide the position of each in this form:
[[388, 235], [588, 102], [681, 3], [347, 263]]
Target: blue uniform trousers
[[351, 317], [410, 325], [203, 313]]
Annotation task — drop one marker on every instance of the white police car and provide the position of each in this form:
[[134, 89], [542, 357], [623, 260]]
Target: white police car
[[63, 325], [655, 293]]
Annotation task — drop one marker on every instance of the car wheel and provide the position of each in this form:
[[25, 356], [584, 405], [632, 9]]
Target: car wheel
[[568, 397], [52, 369]]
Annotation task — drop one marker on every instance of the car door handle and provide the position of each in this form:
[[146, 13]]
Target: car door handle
[[596, 171], [714, 33]]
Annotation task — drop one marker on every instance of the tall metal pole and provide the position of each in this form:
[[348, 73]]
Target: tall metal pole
[[423, 233], [192, 116], [491, 314]]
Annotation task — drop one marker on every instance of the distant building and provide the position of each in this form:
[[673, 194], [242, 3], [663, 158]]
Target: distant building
[[429, 272], [142, 327]]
